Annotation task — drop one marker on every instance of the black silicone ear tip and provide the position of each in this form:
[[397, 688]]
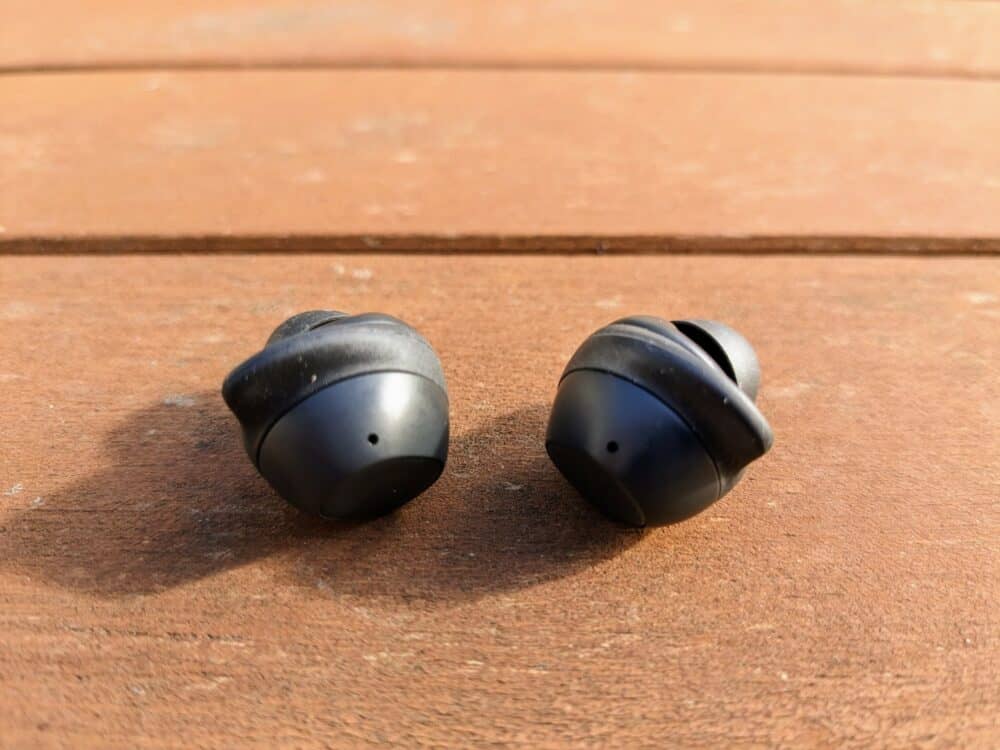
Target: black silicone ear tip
[[348, 420], [729, 349], [303, 322]]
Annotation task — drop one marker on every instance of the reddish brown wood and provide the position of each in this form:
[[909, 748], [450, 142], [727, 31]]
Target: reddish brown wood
[[912, 37], [155, 593], [481, 160]]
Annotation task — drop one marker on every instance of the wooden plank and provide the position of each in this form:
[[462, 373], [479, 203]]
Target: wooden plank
[[485, 160], [910, 37], [155, 593]]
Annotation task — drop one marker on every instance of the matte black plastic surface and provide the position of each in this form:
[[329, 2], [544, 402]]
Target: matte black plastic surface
[[345, 416], [683, 392], [627, 452], [361, 447]]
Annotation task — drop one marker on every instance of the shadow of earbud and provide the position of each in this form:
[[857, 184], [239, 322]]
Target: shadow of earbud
[[180, 501], [500, 518]]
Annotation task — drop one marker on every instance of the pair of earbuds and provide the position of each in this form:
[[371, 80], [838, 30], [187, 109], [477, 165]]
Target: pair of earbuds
[[346, 416]]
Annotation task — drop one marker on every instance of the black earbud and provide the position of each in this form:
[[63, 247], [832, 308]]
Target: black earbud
[[654, 421], [345, 416]]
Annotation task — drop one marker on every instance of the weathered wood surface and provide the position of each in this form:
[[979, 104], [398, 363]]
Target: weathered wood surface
[[155, 593], [416, 160], [836, 36]]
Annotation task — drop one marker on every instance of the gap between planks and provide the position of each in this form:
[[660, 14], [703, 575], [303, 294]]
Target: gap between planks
[[502, 245], [749, 66]]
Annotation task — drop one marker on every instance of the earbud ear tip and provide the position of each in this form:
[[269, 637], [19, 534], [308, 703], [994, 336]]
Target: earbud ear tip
[[731, 351], [305, 321], [390, 443]]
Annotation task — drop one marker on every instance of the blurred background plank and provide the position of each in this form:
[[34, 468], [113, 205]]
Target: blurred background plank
[[909, 37], [154, 592], [479, 160]]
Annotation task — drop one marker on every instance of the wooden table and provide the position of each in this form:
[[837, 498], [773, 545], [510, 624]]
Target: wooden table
[[176, 178]]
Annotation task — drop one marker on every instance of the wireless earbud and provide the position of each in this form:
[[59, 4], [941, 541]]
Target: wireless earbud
[[654, 421], [345, 416]]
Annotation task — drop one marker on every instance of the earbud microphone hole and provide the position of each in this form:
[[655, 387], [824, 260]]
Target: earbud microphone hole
[[373, 439], [612, 447]]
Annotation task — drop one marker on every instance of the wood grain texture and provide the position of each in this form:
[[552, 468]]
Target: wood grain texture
[[839, 36], [482, 160], [155, 593]]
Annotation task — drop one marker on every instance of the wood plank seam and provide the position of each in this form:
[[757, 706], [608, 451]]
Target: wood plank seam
[[505, 244], [623, 65]]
